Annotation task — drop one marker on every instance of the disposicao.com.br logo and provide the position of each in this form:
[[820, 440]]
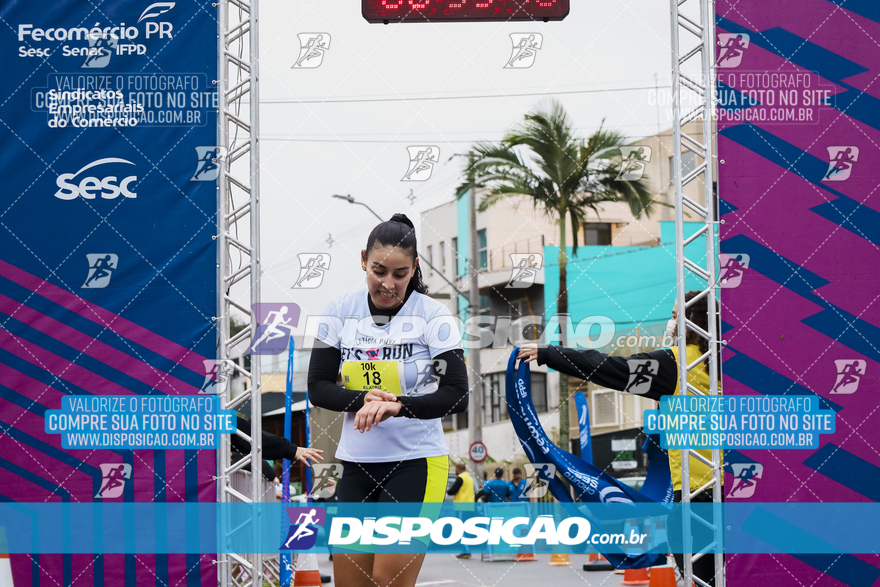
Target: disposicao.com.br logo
[[475, 531]]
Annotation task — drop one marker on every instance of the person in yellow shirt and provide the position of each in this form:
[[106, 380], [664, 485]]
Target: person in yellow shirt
[[629, 374], [462, 492]]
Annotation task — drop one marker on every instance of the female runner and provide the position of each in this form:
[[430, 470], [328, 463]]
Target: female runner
[[403, 369]]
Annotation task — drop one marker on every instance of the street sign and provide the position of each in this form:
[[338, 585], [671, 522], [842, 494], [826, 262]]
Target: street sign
[[478, 452], [386, 11]]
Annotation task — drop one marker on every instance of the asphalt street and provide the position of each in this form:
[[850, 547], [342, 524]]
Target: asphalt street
[[445, 570]]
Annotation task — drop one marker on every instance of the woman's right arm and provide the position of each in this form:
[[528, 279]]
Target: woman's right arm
[[323, 391]]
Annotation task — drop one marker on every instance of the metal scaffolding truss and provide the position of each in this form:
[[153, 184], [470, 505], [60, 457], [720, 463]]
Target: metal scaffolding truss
[[693, 82], [238, 282]]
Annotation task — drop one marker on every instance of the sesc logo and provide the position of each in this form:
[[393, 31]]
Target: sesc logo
[[109, 187]]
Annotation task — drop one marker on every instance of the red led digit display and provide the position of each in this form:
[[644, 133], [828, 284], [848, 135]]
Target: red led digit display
[[386, 11]]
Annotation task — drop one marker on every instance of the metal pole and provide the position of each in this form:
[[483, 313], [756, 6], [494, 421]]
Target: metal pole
[[238, 210], [702, 27], [255, 276], [475, 405], [224, 453]]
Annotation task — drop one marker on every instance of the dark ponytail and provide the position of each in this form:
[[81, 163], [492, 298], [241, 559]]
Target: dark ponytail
[[399, 232]]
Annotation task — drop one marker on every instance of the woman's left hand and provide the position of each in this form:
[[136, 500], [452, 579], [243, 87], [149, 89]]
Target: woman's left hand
[[374, 412]]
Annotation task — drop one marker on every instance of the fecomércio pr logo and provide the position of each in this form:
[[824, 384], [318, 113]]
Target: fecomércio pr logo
[[94, 46], [304, 523]]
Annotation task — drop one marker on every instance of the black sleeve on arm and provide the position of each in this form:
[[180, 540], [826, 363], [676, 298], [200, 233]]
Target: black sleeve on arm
[[323, 391], [274, 447], [451, 396], [455, 487], [610, 371]]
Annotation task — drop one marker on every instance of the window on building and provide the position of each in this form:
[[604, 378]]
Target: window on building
[[482, 249], [448, 423], [539, 391], [485, 305], [430, 260], [442, 258], [494, 403], [597, 233], [688, 164], [455, 255], [461, 420], [605, 411]]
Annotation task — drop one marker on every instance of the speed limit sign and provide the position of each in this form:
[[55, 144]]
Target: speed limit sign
[[478, 452]]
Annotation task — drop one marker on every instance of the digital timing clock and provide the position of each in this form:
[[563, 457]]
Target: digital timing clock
[[387, 11]]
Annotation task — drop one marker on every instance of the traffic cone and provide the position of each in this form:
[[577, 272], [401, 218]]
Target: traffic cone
[[663, 576], [635, 577], [558, 559], [525, 557], [306, 570]]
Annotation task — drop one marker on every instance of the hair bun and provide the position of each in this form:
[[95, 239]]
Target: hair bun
[[403, 220]]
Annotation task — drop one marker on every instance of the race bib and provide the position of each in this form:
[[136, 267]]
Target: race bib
[[364, 375]]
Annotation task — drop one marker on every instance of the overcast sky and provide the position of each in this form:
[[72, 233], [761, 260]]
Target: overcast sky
[[313, 150]]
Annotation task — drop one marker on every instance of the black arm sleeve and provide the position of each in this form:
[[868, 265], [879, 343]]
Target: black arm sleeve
[[274, 447], [450, 398], [455, 487], [610, 371], [323, 391], [480, 494]]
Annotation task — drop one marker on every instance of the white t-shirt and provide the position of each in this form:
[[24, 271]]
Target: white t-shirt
[[422, 329]]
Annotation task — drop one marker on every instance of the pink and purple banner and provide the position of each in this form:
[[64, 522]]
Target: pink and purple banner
[[799, 150]]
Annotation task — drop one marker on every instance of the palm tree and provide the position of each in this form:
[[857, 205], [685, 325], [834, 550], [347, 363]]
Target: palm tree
[[564, 176]]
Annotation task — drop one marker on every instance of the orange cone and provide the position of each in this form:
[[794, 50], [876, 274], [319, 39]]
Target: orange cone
[[307, 573], [594, 556], [525, 556], [635, 577], [663, 576], [558, 559]]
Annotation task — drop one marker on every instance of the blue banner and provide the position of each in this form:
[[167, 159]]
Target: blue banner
[[107, 260], [583, 416], [590, 484]]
